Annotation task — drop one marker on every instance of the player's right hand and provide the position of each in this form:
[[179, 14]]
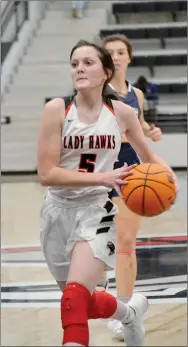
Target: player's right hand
[[116, 178]]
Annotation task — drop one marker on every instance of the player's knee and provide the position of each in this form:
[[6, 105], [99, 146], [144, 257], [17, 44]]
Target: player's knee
[[74, 307], [126, 242]]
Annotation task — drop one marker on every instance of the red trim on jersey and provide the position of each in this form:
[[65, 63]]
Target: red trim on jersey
[[68, 108], [110, 108]]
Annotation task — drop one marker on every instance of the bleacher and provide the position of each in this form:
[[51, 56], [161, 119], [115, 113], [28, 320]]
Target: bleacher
[[163, 32], [173, 8], [157, 30], [158, 34]]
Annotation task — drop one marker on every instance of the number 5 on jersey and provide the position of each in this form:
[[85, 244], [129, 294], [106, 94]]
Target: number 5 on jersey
[[87, 162]]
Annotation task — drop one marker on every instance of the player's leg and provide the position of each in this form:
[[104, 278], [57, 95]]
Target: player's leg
[[131, 320], [79, 303], [77, 294], [85, 256], [100, 247], [127, 227]]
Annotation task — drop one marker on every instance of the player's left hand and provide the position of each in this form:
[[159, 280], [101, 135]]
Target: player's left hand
[[154, 133], [175, 179]]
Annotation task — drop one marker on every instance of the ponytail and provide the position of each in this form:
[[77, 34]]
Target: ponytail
[[110, 93]]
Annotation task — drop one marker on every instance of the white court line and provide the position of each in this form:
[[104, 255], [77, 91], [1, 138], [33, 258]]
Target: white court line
[[29, 264], [152, 281], [33, 264], [56, 304], [162, 280], [28, 284], [161, 246], [34, 295], [56, 294]]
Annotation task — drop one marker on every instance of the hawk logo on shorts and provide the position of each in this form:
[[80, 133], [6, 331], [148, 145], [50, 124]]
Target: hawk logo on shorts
[[111, 247]]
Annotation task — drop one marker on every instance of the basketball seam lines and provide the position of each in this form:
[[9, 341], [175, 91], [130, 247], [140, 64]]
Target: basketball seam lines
[[132, 192], [143, 200], [158, 197], [152, 190], [151, 173], [148, 179]]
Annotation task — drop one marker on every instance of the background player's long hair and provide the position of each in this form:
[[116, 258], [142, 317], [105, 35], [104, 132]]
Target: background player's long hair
[[107, 63]]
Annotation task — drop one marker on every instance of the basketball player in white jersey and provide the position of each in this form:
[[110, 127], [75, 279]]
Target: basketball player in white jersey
[[79, 142]]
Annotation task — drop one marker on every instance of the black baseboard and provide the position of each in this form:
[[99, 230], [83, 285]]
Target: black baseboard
[[18, 173], [179, 168]]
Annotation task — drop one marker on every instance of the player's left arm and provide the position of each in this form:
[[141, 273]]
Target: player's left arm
[[130, 124], [152, 131]]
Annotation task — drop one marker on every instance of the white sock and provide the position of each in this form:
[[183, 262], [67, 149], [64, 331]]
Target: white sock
[[124, 299], [129, 316], [123, 312]]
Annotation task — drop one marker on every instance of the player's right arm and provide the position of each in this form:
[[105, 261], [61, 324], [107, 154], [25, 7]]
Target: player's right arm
[[129, 123], [49, 149]]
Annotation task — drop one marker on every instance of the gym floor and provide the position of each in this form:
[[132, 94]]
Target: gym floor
[[30, 313]]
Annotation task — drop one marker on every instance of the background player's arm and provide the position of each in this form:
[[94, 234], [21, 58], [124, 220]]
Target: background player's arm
[[140, 96], [152, 131], [49, 149], [135, 134]]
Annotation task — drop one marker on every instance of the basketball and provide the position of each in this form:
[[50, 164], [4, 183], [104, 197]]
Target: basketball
[[150, 190]]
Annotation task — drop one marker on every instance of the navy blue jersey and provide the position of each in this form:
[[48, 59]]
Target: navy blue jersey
[[127, 153], [131, 99]]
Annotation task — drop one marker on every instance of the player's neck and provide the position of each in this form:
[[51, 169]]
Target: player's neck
[[89, 99], [118, 83]]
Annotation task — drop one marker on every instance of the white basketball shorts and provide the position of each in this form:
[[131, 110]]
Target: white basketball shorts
[[63, 224]]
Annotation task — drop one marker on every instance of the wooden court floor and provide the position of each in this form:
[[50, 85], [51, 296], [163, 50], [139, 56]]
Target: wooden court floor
[[30, 299]]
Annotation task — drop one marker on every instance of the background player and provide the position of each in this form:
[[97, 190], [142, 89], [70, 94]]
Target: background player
[[127, 223], [78, 144]]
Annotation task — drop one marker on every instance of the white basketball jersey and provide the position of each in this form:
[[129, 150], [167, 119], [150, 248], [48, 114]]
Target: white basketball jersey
[[88, 148]]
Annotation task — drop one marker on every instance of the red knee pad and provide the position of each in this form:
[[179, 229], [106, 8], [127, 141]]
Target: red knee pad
[[101, 305], [74, 307]]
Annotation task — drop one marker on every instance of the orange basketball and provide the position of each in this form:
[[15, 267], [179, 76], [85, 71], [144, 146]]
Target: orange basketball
[[150, 191]]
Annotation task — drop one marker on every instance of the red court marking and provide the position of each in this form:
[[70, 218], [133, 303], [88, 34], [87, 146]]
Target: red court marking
[[172, 238], [162, 240], [21, 249], [142, 242]]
